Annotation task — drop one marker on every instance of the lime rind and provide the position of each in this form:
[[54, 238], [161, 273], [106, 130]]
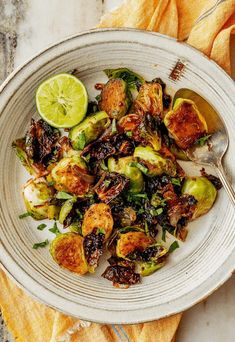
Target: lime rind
[[62, 100]]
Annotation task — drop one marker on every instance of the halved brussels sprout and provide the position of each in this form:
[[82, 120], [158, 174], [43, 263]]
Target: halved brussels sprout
[[131, 241], [130, 77], [66, 209], [37, 195], [98, 216], [115, 98], [155, 163], [149, 100], [148, 268], [71, 175], [122, 166], [153, 259], [203, 191], [88, 130], [67, 251], [185, 123]]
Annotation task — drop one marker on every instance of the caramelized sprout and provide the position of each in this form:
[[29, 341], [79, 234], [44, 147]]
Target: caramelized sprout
[[67, 251], [88, 130], [131, 241], [37, 195], [203, 191], [115, 98], [98, 216], [155, 163], [122, 166]]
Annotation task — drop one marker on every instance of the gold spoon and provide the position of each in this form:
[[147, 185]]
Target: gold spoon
[[213, 152]]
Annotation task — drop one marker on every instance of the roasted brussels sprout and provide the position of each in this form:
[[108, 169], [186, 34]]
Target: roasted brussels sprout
[[122, 166], [98, 216], [133, 80], [154, 162], [66, 209], [149, 100], [115, 98], [67, 251], [152, 259], [88, 130], [142, 129], [37, 195], [131, 241], [185, 123], [20, 148], [93, 248], [71, 175], [110, 186], [203, 191]]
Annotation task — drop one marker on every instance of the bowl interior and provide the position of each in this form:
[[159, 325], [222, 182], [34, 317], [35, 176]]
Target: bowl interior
[[193, 270]]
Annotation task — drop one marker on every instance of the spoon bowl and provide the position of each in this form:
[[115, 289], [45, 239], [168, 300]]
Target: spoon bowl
[[212, 152]]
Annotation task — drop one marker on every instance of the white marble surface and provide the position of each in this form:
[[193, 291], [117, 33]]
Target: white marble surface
[[38, 24]]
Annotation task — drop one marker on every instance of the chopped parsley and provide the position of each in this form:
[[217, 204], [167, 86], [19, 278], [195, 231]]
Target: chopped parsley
[[129, 134], [175, 181], [41, 244], [98, 98], [158, 211], [54, 229], [21, 216], [173, 246], [41, 226], [202, 140], [140, 167], [63, 195]]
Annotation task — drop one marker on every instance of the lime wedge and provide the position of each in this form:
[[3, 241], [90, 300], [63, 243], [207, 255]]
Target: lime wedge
[[62, 101]]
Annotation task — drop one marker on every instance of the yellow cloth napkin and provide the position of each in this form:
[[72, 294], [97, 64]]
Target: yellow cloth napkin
[[206, 25]]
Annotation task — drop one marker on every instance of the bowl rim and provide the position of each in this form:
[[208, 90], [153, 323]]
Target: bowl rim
[[222, 278]]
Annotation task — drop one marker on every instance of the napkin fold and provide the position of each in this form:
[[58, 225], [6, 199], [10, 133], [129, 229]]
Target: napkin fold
[[205, 24]]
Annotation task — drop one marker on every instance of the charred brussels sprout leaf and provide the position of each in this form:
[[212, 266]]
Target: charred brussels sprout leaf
[[203, 191], [185, 123], [66, 209], [133, 80], [67, 251], [37, 195], [115, 98], [93, 247], [131, 241], [98, 216], [155, 163], [71, 175], [19, 146], [149, 100], [89, 130], [121, 275], [124, 166], [117, 183]]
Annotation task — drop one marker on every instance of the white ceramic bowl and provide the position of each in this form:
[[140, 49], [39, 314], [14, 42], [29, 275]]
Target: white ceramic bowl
[[198, 267]]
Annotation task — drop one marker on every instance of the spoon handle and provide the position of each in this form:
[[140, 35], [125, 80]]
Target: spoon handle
[[227, 186]]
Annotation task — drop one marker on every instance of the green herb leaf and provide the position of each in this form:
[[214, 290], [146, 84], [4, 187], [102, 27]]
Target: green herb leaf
[[25, 215], [63, 195], [146, 228], [41, 244], [202, 140], [129, 134], [79, 214], [41, 226], [98, 98], [103, 166], [87, 157], [158, 211], [106, 183], [51, 183], [100, 231], [131, 78], [164, 234], [140, 196], [141, 211], [81, 141], [175, 181], [140, 167], [173, 246], [114, 126], [54, 229]]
